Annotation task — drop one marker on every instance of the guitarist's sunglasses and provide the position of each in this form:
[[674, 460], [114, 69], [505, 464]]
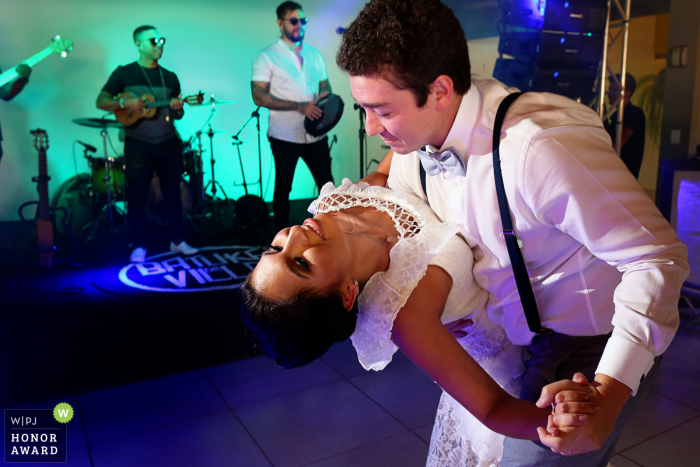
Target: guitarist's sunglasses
[[294, 21], [157, 41]]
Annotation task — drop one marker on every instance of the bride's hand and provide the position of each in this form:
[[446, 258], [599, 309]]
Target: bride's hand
[[571, 401]]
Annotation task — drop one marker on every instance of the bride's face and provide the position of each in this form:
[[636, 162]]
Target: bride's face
[[331, 250]]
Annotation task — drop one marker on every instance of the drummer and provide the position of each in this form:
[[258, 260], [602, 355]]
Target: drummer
[[288, 78], [151, 145]]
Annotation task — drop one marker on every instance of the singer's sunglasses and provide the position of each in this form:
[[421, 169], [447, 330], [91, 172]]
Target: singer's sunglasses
[[294, 21], [156, 41]]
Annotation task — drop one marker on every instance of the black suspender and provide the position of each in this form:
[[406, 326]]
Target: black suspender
[[522, 280]]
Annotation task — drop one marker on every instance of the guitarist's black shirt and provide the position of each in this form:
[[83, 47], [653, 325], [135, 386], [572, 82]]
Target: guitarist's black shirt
[[129, 78]]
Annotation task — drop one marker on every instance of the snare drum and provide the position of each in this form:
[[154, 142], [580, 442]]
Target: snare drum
[[116, 173]]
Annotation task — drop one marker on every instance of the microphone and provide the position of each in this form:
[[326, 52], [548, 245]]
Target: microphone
[[340, 30], [87, 147]]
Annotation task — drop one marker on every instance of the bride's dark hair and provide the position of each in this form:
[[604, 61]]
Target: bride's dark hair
[[299, 330]]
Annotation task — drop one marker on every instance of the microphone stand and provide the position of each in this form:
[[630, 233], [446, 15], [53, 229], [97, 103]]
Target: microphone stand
[[362, 139], [236, 142]]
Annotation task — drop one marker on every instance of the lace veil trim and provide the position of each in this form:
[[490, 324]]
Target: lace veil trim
[[407, 220]]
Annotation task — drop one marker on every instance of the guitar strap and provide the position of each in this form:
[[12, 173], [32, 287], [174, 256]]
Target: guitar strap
[[162, 80]]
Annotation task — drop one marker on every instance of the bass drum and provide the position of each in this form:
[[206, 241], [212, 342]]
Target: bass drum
[[116, 174], [154, 204], [74, 196]]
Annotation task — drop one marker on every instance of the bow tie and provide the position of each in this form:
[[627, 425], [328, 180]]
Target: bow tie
[[435, 162]]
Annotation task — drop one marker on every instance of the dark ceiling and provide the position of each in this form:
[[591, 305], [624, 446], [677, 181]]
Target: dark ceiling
[[479, 17]]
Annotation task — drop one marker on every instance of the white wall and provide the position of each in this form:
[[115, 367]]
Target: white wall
[[210, 46]]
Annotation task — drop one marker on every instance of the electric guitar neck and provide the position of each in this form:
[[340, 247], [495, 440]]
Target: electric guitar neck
[[56, 46]]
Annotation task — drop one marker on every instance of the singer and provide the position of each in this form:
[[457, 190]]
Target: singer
[[288, 79]]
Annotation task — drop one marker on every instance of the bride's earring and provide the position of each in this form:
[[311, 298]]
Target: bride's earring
[[356, 283]]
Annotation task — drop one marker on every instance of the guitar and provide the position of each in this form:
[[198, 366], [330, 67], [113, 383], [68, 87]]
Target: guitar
[[128, 117], [56, 46], [44, 228]]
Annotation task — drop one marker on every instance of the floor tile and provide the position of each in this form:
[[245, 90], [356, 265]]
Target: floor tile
[[655, 415], [74, 458], [679, 373], [404, 450], [212, 441], [257, 379], [424, 432], [619, 461], [677, 447], [315, 424], [342, 357], [404, 391], [74, 430], [123, 410]]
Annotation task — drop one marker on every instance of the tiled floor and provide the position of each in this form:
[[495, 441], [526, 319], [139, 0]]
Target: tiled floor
[[331, 414]]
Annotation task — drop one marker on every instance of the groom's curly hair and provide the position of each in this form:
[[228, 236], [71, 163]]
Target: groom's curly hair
[[409, 43], [296, 331]]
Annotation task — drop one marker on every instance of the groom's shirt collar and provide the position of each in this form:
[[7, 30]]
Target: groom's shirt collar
[[460, 135]]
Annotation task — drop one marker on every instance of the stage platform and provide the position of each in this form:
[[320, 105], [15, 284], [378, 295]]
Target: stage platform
[[96, 321]]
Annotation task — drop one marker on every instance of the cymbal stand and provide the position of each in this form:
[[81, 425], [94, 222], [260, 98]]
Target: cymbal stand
[[107, 212], [199, 176], [213, 183]]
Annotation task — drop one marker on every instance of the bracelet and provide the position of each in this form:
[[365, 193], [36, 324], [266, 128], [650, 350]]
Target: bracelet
[[121, 103]]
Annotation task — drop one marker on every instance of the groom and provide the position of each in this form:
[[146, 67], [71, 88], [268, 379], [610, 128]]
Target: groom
[[605, 266]]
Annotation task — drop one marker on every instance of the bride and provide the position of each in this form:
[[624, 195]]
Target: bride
[[379, 267]]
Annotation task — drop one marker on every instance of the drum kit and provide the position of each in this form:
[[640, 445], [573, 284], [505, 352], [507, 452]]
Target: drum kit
[[83, 194]]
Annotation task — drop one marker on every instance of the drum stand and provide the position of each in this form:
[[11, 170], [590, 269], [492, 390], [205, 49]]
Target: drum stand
[[201, 211], [213, 183], [107, 212]]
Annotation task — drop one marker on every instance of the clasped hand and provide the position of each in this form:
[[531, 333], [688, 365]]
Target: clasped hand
[[602, 400]]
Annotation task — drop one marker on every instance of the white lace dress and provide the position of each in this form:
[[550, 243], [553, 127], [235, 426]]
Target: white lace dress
[[458, 438]]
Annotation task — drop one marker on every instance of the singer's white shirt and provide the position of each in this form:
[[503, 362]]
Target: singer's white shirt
[[600, 255], [290, 80]]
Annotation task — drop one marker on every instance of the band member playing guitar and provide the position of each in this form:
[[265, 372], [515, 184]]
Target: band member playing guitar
[[14, 87], [152, 143]]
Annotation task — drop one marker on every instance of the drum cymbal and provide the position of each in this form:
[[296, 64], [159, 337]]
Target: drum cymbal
[[213, 101], [98, 122]]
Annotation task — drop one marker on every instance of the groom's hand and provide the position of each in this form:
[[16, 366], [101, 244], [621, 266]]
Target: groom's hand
[[609, 395], [571, 403]]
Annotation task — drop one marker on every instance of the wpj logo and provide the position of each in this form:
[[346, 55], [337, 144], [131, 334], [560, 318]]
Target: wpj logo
[[215, 268], [36, 435]]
